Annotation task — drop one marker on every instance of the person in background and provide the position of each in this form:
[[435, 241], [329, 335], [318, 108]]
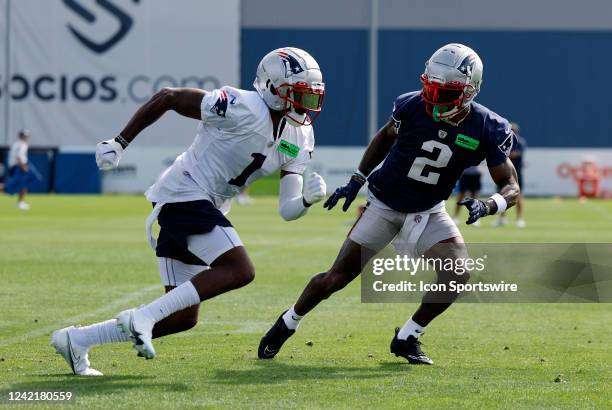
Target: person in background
[[469, 185], [19, 174], [516, 156]]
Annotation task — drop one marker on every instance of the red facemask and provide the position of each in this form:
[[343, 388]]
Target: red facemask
[[444, 95], [305, 99]]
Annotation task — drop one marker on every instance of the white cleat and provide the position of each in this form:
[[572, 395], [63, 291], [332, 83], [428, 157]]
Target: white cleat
[[520, 223], [139, 329], [75, 355], [23, 206]]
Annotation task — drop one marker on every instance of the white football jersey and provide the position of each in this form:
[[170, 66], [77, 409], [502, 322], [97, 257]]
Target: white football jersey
[[18, 151], [233, 147]]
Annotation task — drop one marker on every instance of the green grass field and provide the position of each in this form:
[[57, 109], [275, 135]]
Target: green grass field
[[81, 259]]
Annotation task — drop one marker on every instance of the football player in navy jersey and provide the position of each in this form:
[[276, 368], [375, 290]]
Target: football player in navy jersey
[[431, 137]]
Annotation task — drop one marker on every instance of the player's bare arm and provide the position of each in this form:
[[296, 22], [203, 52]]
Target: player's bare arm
[[504, 175], [378, 148], [375, 154], [184, 101]]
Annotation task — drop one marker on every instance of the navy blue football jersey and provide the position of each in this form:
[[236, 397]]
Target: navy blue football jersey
[[428, 157], [518, 149]]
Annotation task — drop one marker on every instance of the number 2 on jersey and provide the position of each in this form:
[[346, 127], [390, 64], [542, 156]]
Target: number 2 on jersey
[[258, 160], [416, 170]]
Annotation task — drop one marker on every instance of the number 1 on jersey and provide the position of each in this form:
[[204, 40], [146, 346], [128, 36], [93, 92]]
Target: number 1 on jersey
[[258, 160], [416, 170]]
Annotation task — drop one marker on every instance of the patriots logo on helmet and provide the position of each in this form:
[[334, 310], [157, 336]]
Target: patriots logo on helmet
[[292, 66], [467, 65], [220, 106]]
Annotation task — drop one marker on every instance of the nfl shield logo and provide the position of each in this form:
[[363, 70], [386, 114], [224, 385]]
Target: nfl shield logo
[[442, 134], [417, 218]]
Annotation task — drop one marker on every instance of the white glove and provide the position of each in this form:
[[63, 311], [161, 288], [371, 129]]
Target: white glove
[[108, 154], [315, 188]]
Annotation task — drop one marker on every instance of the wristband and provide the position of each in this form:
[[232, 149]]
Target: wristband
[[500, 201], [360, 177], [361, 174], [121, 141], [487, 207]]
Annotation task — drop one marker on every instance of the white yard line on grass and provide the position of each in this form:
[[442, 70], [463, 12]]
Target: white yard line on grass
[[112, 307]]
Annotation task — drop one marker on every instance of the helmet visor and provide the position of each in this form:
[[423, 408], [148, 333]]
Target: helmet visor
[[443, 94], [308, 97]]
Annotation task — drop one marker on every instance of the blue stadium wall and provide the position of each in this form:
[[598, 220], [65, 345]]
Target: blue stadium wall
[[547, 71]]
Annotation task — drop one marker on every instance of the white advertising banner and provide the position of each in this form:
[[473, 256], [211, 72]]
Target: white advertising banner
[[561, 171], [80, 68]]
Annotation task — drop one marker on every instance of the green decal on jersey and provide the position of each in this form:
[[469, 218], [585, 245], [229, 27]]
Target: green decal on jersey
[[288, 148], [467, 142]]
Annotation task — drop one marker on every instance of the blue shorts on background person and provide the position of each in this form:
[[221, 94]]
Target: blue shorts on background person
[[18, 179]]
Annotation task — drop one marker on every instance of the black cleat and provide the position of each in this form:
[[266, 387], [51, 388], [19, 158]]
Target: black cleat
[[272, 342], [409, 349]]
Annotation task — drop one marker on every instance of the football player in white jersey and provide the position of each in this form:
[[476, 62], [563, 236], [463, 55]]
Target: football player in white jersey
[[242, 136]]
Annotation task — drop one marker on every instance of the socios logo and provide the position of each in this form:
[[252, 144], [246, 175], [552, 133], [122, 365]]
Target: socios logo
[[124, 21]]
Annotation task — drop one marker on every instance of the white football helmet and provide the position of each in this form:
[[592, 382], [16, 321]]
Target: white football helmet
[[452, 78], [290, 80]]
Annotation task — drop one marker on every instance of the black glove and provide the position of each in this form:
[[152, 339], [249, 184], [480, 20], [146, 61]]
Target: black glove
[[349, 191], [477, 209]]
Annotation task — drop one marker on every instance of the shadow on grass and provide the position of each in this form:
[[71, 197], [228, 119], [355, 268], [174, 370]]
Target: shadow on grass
[[86, 386], [273, 372]]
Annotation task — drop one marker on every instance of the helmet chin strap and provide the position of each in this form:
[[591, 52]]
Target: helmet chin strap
[[435, 113], [455, 119], [295, 122]]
